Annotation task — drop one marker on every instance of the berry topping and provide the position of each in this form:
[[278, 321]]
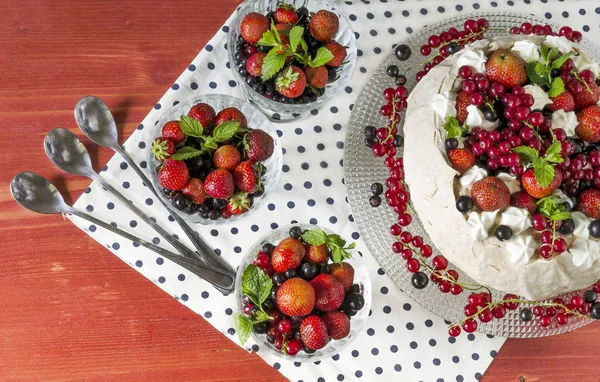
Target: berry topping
[[461, 159], [490, 194], [507, 68]]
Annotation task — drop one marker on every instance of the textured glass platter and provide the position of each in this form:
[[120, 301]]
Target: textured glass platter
[[362, 169]]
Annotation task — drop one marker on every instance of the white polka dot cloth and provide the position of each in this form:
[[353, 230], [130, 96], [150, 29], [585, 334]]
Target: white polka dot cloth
[[402, 341]]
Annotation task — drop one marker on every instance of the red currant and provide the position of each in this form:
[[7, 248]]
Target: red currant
[[454, 331], [406, 254], [544, 321], [395, 230], [425, 50], [526, 28], [413, 265], [456, 289], [486, 316], [562, 318], [470, 325], [499, 311], [440, 262], [426, 250]]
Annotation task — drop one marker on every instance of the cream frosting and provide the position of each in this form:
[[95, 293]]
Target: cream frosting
[[475, 58], [540, 97], [565, 120], [521, 248], [511, 181], [528, 50], [517, 219], [582, 224], [471, 176], [560, 42], [583, 62], [480, 223], [443, 104], [585, 252], [562, 197], [475, 118]]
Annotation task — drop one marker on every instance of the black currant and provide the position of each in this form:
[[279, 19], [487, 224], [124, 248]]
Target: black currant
[[213, 215], [590, 296], [348, 310], [325, 268], [398, 140], [370, 131], [268, 248], [203, 208], [525, 314], [331, 74], [273, 294], [595, 311], [181, 201], [594, 229], [270, 339], [392, 71], [370, 141], [555, 72], [490, 115], [167, 193], [309, 270], [464, 203], [377, 188], [503, 232], [243, 72], [291, 273], [278, 277], [567, 227], [191, 208], [400, 80], [354, 289], [246, 300], [375, 201], [419, 280], [308, 350], [453, 47], [451, 144], [402, 52], [355, 301], [260, 328], [250, 80], [295, 232]]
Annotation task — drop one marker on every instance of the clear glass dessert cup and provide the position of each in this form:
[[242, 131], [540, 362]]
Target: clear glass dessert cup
[[256, 120], [277, 111], [357, 322]]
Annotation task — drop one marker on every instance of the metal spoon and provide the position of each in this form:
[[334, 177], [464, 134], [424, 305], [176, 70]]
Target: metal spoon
[[97, 123], [37, 194]]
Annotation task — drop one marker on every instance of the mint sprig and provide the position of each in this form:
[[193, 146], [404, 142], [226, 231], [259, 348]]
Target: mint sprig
[[257, 285], [191, 126], [187, 152], [551, 208], [540, 72], [453, 128], [335, 243], [543, 167]]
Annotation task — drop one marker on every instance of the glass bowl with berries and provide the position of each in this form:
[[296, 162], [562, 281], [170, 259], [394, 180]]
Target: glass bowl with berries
[[302, 293], [291, 57], [214, 158]]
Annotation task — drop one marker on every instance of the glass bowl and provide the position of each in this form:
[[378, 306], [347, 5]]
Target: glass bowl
[[277, 111], [256, 120], [357, 322]]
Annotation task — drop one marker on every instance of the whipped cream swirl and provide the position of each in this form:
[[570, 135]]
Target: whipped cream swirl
[[540, 98], [566, 121], [521, 248], [475, 118], [516, 218], [562, 197], [560, 42], [480, 223], [583, 62], [528, 50], [443, 104], [585, 252], [511, 182], [582, 224], [476, 59], [471, 176]]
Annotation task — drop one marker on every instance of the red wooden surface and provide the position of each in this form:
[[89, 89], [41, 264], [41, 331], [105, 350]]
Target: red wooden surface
[[71, 310]]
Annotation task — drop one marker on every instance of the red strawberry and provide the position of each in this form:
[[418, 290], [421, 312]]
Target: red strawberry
[[506, 67], [562, 101], [173, 174], [219, 184], [491, 194], [317, 77], [254, 64], [313, 332], [253, 26], [533, 188], [162, 148], [522, 199], [172, 131], [194, 189], [231, 114], [288, 254], [461, 159], [245, 177], [338, 324], [259, 145], [588, 128], [295, 297], [318, 254], [343, 272], [227, 157], [586, 97], [338, 51], [329, 292], [238, 203], [588, 202], [291, 82], [462, 101], [203, 113], [285, 14], [324, 25]]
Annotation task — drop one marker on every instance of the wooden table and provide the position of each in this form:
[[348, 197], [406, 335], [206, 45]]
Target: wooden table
[[69, 309]]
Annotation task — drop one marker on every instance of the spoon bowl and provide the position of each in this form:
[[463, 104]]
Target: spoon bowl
[[96, 121], [37, 194], [67, 152]]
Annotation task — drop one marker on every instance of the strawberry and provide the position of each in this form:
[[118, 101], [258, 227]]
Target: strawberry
[[173, 174], [338, 51], [491, 194], [219, 184], [588, 128], [506, 67], [313, 332], [316, 77], [562, 101], [227, 157], [533, 188], [522, 199], [324, 25], [291, 82], [162, 148], [172, 131], [586, 97], [338, 324], [343, 272], [253, 26], [285, 14], [318, 254], [254, 64], [231, 114], [329, 292], [461, 159], [295, 297], [462, 101], [203, 113], [288, 254], [194, 189], [245, 177], [238, 203], [259, 145], [588, 202]]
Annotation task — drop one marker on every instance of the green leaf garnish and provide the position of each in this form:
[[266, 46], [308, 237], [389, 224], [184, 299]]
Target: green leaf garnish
[[272, 63], [537, 73], [187, 152], [560, 61], [322, 57], [553, 153], [543, 168], [256, 284], [543, 171], [452, 127], [268, 39], [544, 51], [557, 87], [191, 126], [243, 326], [295, 37], [552, 208], [225, 131], [315, 237], [335, 243], [527, 154]]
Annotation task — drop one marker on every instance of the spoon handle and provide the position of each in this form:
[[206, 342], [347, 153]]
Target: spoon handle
[[220, 279], [205, 252]]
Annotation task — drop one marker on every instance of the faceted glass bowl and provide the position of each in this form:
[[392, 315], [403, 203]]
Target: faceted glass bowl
[[357, 323], [256, 120], [277, 111]]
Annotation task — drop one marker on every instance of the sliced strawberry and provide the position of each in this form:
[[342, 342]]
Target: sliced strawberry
[[463, 100], [461, 159]]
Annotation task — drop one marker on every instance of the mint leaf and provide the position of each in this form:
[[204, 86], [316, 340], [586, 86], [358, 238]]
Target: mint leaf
[[315, 237], [544, 50], [272, 63], [243, 326], [268, 39], [225, 131], [336, 255], [552, 54], [557, 87], [209, 143], [553, 153], [452, 127], [256, 284], [187, 152], [191, 126], [264, 287], [262, 316], [323, 56], [527, 154], [561, 215], [335, 241], [275, 31], [552, 208], [351, 246], [295, 37], [543, 171], [560, 61], [536, 72]]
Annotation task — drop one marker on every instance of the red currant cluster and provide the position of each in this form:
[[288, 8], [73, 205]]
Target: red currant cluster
[[546, 30], [584, 306], [580, 168], [450, 42]]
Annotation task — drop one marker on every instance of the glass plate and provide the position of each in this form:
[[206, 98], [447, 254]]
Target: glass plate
[[362, 169]]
